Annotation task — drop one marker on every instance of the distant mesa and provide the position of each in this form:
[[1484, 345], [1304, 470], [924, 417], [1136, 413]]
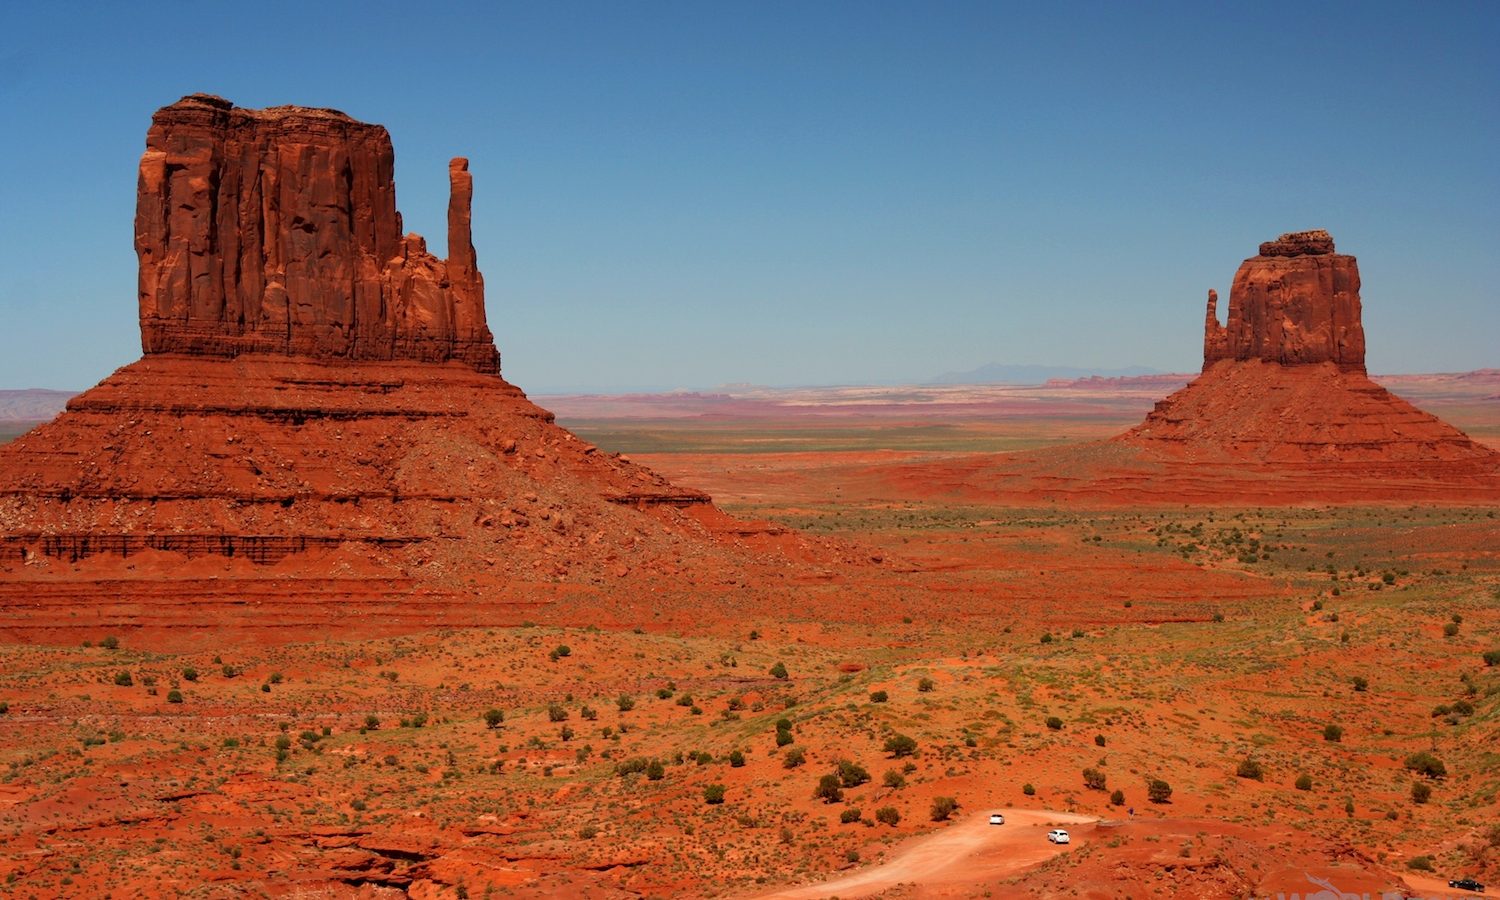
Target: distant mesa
[[1284, 379], [318, 439]]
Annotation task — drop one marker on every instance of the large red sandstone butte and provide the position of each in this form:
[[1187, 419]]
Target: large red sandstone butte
[[1284, 380], [1282, 412], [276, 231], [318, 439]]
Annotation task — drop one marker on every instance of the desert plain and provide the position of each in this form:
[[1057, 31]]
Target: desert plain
[[311, 602], [1019, 645]]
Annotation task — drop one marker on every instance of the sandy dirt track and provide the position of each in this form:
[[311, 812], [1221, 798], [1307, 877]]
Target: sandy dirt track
[[963, 854]]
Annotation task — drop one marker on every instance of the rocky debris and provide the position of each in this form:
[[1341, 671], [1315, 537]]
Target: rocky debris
[[276, 231], [1297, 303], [1316, 242]]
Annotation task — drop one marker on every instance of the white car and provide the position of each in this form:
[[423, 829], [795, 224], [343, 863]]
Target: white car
[[997, 819], [1058, 836]]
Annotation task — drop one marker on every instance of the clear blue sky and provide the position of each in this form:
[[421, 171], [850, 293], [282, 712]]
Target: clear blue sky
[[686, 194]]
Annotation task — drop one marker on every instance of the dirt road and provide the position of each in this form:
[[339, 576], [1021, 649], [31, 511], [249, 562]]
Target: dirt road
[[967, 852]]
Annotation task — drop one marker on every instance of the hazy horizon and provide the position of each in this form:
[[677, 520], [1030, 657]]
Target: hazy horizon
[[674, 195]]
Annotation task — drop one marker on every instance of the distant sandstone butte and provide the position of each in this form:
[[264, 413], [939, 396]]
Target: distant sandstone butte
[[1284, 380], [276, 231], [318, 439], [1297, 303]]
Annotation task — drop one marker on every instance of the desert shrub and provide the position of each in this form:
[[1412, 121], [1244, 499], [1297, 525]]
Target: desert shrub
[[852, 774], [793, 758], [1028, 789], [493, 718], [879, 696], [1047, 637], [566, 733], [560, 651], [783, 738], [828, 789], [713, 794], [1251, 768], [1054, 723], [656, 770], [4, 707], [779, 671], [1099, 740], [632, 766], [942, 808], [555, 713], [893, 779], [283, 742], [1424, 763], [110, 642], [849, 816], [685, 700], [174, 696], [588, 713], [664, 693], [1304, 782], [1463, 708], [123, 679], [887, 815], [1492, 657], [1360, 682], [372, 723], [1094, 780], [588, 832], [1450, 629], [625, 702], [1420, 863], [1117, 798], [926, 685], [189, 674], [1158, 791], [736, 759], [899, 745], [1333, 733]]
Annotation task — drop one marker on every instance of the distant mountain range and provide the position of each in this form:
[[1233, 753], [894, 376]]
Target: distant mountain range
[[1003, 373], [32, 405]]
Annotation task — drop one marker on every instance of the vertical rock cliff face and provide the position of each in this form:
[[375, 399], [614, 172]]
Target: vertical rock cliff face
[[276, 231], [1297, 303]]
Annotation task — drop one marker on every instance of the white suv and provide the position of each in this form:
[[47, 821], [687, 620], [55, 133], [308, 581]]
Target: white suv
[[1058, 836]]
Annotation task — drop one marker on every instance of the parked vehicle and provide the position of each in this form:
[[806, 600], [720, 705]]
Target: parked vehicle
[[997, 819], [1467, 884], [1058, 836]]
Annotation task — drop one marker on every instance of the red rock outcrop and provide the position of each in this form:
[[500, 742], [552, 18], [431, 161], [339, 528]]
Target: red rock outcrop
[[318, 439], [1297, 303], [1284, 382], [276, 231]]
